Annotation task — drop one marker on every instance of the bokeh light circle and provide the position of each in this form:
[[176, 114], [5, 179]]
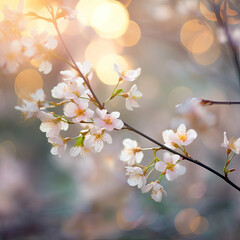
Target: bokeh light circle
[[96, 49], [27, 82], [105, 70], [110, 20], [196, 36], [131, 36]]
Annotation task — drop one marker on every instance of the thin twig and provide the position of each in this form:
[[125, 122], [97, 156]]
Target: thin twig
[[210, 102]]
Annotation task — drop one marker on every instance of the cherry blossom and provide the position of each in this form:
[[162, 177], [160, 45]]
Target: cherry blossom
[[78, 110], [132, 97], [95, 139], [157, 191], [79, 149], [192, 108], [32, 108], [170, 166], [37, 48], [11, 56], [58, 145], [72, 75], [232, 144], [130, 75], [179, 138], [15, 17], [108, 121], [135, 176], [51, 125], [71, 90], [131, 153]]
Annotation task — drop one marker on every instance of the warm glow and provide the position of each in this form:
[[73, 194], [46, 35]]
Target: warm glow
[[196, 36], [208, 57], [110, 20], [85, 9], [97, 49], [206, 12], [183, 220], [131, 36], [199, 225], [27, 82], [12, 4], [41, 25], [105, 70]]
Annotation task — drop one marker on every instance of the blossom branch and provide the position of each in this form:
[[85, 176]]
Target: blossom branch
[[127, 126]]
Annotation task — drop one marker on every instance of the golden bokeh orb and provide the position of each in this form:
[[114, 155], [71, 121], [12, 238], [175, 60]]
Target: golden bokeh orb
[[85, 9], [110, 20], [96, 49], [131, 36], [196, 36], [27, 82], [105, 70]]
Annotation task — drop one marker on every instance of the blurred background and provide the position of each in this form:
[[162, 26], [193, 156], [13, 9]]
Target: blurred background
[[183, 53]]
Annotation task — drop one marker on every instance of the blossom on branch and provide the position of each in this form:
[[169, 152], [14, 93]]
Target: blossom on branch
[[78, 110], [135, 176], [58, 145], [96, 138], [32, 108], [231, 144], [129, 76], [170, 166], [132, 97], [131, 153], [108, 121], [72, 75], [38, 47], [51, 125], [193, 109], [157, 191], [179, 138]]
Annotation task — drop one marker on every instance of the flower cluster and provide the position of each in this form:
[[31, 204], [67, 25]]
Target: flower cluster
[[16, 47], [77, 102], [169, 166]]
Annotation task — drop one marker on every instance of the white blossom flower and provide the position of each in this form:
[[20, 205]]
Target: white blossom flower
[[32, 108], [11, 56], [131, 153], [72, 75], [135, 176], [181, 137], [232, 144], [58, 145], [170, 166], [130, 75], [78, 110], [133, 96], [82, 150], [71, 90], [157, 191], [15, 17], [51, 125], [96, 137], [192, 108], [37, 48], [108, 121]]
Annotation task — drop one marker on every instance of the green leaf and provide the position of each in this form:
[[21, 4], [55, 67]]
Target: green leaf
[[118, 92], [79, 141]]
